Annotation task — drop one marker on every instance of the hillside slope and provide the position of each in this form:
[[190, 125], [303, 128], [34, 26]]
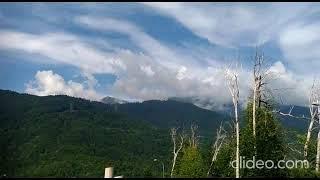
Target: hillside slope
[[44, 137], [169, 113]]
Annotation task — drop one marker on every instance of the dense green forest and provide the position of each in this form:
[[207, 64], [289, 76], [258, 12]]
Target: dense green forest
[[42, 136], [61, 136]]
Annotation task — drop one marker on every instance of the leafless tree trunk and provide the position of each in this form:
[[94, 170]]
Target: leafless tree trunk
[[254, 112], [221, 135], [318, 141], [176, 149], [256, 74], [233, 85], [318, 152], [193, 141], [238, 140], [257, 85], [261, 76], [312, 99], [305, 148]]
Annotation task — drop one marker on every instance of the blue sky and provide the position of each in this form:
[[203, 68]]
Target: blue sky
[[141, 51]]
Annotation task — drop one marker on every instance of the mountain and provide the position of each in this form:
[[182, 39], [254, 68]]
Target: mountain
[[61, 136], [112, 100], [170, 113], [205, 103], [299, 124]]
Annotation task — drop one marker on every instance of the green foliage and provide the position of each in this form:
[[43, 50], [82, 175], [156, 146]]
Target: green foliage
[[269, 142], [41, 137], [303, 173], [180, 114], [191, 164], [222, 167], [297, 143]]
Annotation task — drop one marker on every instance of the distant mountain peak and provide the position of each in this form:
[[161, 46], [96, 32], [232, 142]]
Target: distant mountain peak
[[204, 103], [112, 100]]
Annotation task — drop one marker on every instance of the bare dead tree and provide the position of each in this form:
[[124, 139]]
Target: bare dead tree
[[261, 77], [318, 141], [220, 137], [194, 139], [314, 102], [290, 114], [257, 77], [313, 98], [293, 149], [177, 146], [257, 86], [233, 85], [314, 108]]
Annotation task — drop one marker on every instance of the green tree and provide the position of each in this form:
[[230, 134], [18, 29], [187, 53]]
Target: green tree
[[222, 167], [269, 142], [191, 163]]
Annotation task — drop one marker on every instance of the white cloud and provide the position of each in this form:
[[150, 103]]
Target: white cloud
[[169, 72], [49, 83], [149, 45], [139, 76], [147, 70], [234, 24], [160, 71], [61, 48], [181, 73], [300, 44], [286, 86]]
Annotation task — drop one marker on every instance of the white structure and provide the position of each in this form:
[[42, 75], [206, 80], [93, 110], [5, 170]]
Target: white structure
[[108, 173]]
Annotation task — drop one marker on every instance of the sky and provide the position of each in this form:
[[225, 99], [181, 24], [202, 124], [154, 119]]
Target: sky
[[143, 51]]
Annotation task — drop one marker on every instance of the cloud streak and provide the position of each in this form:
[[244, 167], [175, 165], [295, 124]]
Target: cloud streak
[[61, 48], [153, 69], [239, 24]]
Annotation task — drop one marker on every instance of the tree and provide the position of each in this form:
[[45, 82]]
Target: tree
[[314, 108], [221, 166], [313, 98], [260, 75], [233, 85], [176, 149], [220, 137], [269, 141], [191, 164], [194, 138]]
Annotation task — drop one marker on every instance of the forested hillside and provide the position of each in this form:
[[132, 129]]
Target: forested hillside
[[62, 136], [170, 113], [43, 136]]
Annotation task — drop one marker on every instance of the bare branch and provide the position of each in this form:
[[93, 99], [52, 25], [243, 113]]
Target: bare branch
[[221, 135], [295, 150], [176, 150]]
